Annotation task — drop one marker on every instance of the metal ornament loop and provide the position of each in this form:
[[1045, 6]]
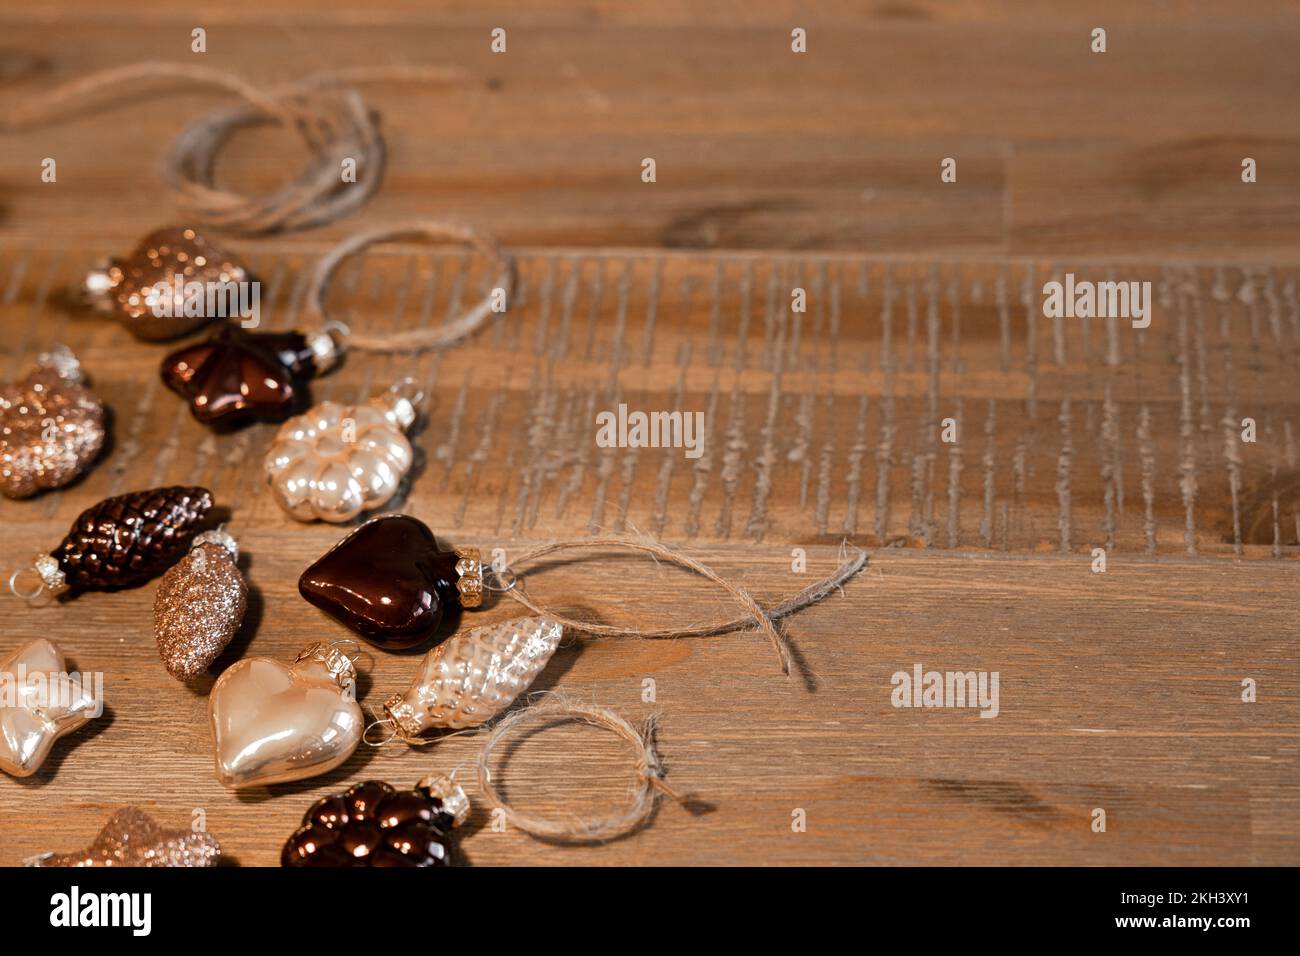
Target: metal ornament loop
[[29, 596], [347, 641], [385, 722], [492, 580]]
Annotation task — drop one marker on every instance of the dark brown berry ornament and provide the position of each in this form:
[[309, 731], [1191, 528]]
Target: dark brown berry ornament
[[146, 290], [374, 824], [390, 582], [237, 376], [122, 541]]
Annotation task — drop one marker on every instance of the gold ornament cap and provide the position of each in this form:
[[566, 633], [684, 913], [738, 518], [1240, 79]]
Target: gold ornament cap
[[405, 721], [454, 800], [469, 568], [46, 567], [62, 362], [325, 350], [337, 664], [400, 403], [220, 537]]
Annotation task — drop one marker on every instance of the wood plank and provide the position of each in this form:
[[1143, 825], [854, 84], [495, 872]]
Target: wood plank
[[1118, 690], [757, 147]]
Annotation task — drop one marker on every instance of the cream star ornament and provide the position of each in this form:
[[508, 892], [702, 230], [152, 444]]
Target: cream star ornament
[[39, 703]]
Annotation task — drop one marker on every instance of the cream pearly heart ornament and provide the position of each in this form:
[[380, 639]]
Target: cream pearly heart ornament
[[39, 703], [274, 722]]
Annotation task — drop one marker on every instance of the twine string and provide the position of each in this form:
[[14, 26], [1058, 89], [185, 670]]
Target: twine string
[[420, 339], [330, 116], [765, 618], [648, 781]]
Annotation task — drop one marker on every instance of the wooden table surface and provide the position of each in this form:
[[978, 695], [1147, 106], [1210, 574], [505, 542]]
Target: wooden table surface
[[1118, 690]]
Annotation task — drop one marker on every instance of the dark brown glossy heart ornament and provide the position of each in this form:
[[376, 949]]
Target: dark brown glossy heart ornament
[[239, 375], [389, 581]]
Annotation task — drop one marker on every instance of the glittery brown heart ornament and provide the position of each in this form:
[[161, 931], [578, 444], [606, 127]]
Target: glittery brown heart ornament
[[134, 290], [40, 701], [132, 838], [51, 426], [199, 605]]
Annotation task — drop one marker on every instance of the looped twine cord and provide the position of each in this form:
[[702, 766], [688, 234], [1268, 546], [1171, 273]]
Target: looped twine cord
[[331, 118], [765, 618], [416, 340], [649, 782]]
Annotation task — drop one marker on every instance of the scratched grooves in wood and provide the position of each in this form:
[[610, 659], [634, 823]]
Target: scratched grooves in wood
[[820, 425]]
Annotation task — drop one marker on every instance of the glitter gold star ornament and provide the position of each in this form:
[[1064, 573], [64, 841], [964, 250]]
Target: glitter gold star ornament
[[51, 426], [132, 838], [39, 703], [199, 606], [146, 291]]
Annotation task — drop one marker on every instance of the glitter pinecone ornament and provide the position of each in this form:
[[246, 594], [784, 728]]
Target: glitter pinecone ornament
[[135, 290], [374, 824], [51, 426], [121, 542], [199, 605]]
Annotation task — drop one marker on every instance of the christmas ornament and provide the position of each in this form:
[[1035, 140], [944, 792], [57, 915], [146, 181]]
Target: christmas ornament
[[470, 678], [39, 703], [51, 426], [240, 375], [147, 291], [120, 542], [132, 838], [337, 461], [374, 824], [273, 723], [389, 581], [199, 605]]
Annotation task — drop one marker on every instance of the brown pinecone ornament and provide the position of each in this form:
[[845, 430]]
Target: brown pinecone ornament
[[51, 426], [132, 289], [122, 541], [199, 605]]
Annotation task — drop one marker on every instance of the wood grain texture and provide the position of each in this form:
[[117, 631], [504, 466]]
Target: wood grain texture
[[1119, 690], [1131, 152]]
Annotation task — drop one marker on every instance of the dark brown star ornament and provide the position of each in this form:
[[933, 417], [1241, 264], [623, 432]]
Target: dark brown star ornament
[[239, 376]]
